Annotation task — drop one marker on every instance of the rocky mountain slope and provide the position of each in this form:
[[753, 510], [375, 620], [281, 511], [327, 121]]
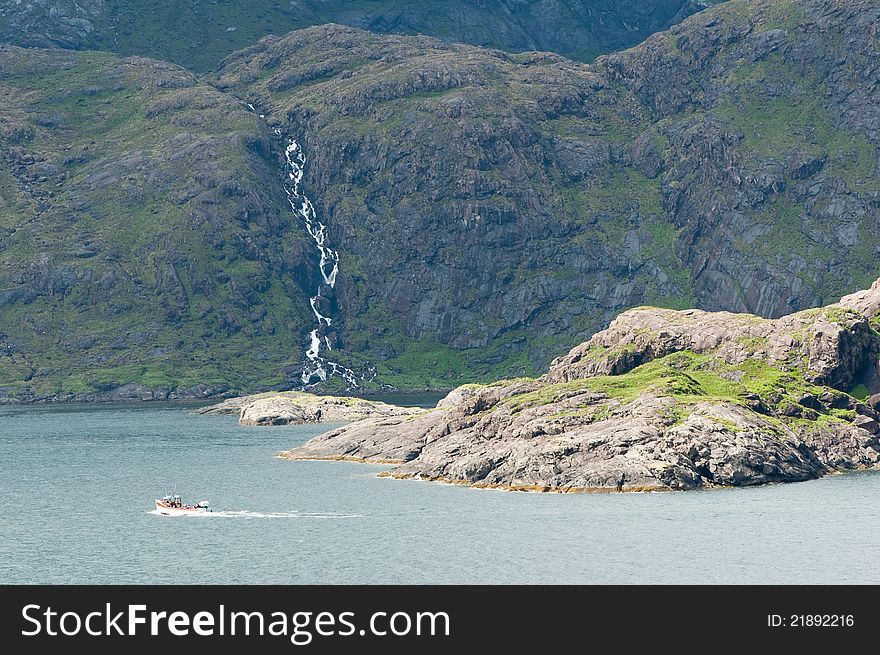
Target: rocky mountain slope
[[489, 209], [144, 238], [660, 400], [198, 34], [491, 205]]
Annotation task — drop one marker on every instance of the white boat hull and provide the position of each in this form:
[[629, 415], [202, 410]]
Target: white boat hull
[[166, 510]]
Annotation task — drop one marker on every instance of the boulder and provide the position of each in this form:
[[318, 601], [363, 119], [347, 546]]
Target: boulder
[[283, 408], [867, 423]]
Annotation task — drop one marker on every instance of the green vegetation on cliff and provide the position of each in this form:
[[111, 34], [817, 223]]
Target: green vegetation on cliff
[[689, 379]]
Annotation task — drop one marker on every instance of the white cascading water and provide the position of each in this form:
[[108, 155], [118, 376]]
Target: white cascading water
[[316, 368]]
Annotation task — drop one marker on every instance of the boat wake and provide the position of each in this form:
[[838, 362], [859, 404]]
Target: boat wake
[[246, 514]]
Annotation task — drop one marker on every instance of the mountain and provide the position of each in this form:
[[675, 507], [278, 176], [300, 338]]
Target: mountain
[[489, 209], [140, 237], [660, 400], [494, 208], [197, 34]]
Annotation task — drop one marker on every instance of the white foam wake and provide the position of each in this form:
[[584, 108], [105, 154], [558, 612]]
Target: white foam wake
[[247, 514]]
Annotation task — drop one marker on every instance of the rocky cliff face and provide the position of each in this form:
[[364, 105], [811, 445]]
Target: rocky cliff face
[[772, 173], [428, 165], [197, 35], [494, 204], [659, 400]]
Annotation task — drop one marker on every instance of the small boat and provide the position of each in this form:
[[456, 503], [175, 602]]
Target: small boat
[[172, 505]]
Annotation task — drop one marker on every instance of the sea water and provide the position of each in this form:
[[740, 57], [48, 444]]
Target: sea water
[[78, 484]]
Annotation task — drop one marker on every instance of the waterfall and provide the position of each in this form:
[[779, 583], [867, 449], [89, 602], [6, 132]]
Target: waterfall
[[316, 367]]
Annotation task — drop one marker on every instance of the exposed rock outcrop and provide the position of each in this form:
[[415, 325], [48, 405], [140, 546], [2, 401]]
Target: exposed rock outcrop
[[834, 345], [660, 400], [283, 408]]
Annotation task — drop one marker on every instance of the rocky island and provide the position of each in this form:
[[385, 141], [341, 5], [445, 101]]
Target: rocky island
[[284, 408], [660, 400]]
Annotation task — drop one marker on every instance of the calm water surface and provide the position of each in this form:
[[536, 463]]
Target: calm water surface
[[79, 482]]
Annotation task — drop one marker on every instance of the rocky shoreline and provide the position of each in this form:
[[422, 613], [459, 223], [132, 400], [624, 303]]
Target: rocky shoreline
[[129, 392], [661, 400], [136, 392]]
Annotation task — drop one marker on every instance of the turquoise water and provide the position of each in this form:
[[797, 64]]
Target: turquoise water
[[79, 482]]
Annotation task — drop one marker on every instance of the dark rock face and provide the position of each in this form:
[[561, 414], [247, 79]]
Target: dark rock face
[[495, 203], [701, 401], [580, 29], [739, 176], [50, 23], [469, 248]]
